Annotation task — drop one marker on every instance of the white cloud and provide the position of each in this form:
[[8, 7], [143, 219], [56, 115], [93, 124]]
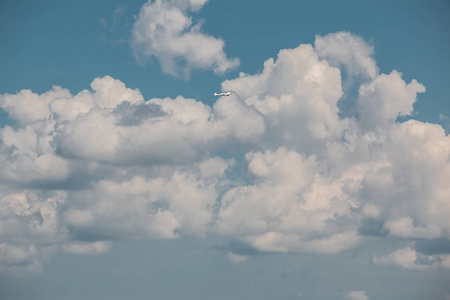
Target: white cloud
[[164, 29], [409, 258], [27, 155], [405, 258], [404, 227], [281, 212], [347, 50], [18, 260], [28, 107], [166, 204], [367, 164], [175, 130], [385, 98], [419, 158], [154, 207], [273, 165], [93, 144], [356, 295], [297, 94], [29, 229], [113, 123]]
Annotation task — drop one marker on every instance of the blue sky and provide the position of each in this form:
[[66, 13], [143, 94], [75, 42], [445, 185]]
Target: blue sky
[[323, 176]]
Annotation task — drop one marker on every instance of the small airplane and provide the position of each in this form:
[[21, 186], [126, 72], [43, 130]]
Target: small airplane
[[226, 94]]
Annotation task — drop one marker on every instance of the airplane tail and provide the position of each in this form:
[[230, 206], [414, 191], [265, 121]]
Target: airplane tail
[[215, 94]]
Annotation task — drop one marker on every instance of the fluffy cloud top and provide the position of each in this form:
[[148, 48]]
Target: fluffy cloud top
[[80, 171], [347, 50], [385, 98], [164, 30]]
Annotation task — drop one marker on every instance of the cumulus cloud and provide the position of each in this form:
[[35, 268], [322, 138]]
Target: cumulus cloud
[[275, 166], [343, 49], [404, 227], [164, 29], [181, 130], [85, 165], [283, 211], [297, 94], [30, 230], [409, 258], [18, 260], [356, 160], [159, 207], [384, 99]]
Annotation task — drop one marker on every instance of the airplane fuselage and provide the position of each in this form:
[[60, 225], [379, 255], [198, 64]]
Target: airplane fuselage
[[226, 94]]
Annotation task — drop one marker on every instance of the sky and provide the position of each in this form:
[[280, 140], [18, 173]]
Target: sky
[[324, 175]]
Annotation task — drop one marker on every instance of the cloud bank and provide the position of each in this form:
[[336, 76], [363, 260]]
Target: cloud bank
[[80, 171], [164, 30]]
